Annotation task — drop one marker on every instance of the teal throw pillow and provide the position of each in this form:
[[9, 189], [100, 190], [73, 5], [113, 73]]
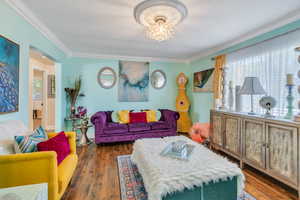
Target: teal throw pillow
[[28, 144]]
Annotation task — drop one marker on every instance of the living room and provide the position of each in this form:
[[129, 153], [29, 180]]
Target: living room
[[149, 99]]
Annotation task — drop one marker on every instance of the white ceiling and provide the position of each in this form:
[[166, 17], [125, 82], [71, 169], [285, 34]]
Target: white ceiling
[[107, 27]]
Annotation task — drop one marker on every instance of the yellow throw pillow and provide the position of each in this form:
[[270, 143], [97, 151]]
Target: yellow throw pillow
[[123, 116], [151, 116]]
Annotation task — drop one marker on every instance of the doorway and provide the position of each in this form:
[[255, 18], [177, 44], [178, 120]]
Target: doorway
[[42, 91], [38, 98]]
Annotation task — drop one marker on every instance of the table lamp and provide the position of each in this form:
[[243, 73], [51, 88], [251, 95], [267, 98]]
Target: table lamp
[[252, 87]]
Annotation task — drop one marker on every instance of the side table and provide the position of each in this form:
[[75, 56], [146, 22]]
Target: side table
[[26, 192], [84, 140]]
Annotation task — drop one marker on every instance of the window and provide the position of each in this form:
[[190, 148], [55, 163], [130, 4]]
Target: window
[[270, 61]]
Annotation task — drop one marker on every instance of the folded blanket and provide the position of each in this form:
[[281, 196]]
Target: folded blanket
[[163, 175]]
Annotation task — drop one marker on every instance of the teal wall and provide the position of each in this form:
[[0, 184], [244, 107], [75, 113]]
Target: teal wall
[[203, 102], [18, 30], [99, 99]]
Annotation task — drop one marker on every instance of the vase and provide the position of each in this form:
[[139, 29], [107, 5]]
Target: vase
[[72, 111]]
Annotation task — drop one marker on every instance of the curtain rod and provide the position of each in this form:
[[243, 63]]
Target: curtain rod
[[271, 38]]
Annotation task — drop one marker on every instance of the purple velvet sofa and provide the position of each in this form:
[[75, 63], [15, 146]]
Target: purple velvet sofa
[[107, 131]]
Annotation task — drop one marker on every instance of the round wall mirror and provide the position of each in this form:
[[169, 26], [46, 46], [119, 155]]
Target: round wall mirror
[[158, 79], [107, 77]]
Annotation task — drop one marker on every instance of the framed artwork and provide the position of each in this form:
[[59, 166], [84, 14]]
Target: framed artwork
[[203, 81], [9, 76], [133, 81]]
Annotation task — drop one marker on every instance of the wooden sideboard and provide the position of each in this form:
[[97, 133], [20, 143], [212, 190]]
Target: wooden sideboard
[[268, 144]]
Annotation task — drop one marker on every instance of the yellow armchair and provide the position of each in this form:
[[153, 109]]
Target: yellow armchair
[[39, 167]]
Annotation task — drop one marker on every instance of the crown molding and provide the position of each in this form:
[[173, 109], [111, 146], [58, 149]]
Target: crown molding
[[29, 16], [292, 17], [133, 58]]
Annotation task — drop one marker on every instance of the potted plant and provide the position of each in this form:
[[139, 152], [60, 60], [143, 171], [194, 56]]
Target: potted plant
[[72, 95]]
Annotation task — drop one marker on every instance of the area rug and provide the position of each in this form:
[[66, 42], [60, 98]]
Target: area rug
[[131, 182]]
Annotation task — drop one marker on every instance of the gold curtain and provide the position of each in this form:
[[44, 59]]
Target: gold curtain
[[219, 64]]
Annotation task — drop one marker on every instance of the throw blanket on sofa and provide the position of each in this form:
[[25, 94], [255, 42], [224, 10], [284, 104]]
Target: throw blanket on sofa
[[163, 175]]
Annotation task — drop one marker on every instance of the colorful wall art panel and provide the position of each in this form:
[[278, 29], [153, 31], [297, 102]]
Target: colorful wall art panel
[[9, 76], [133, 81], [203, 81]]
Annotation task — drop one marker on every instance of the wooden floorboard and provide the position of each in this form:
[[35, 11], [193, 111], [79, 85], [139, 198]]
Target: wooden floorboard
[[96, 177]]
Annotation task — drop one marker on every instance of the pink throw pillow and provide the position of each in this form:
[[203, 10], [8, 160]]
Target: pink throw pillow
[[59, 144], [200, 131]]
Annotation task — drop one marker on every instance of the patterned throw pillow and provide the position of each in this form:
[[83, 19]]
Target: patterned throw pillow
[[28, 144]]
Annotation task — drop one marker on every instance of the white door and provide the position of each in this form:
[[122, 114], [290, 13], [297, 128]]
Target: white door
[[38, 98]]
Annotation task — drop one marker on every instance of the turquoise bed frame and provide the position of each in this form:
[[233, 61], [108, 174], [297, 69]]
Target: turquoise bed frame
[[222, 190]]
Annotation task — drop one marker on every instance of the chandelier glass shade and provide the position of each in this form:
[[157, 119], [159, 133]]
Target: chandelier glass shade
[[160, 30], [159, 17]]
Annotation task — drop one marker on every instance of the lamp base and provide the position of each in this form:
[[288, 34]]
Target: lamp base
[[251, 113]]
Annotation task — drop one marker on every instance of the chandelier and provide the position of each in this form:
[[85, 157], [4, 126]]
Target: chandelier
[[159, 17]]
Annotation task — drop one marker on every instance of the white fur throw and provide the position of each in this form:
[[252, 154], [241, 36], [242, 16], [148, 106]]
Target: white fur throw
[[163, 175]]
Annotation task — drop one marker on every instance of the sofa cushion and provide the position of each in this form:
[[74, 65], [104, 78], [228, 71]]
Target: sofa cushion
[[28, 144], [59, 144], [115, 117], [159, 125], [139, 127], [65, 171], [123, 116], [114, 128], [6, 149], [9, 129], [138, 117]]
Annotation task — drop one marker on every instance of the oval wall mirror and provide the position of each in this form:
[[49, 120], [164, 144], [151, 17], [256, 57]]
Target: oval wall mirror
[[107, 77], [158, 79]]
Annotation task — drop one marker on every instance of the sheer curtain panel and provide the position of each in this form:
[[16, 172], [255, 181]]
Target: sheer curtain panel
[[270, 61]]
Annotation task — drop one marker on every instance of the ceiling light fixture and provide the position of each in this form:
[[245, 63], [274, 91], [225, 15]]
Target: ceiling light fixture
[[159, 17]]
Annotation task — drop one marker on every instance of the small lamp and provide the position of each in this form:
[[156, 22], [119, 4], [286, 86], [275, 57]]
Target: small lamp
[[252, 87]]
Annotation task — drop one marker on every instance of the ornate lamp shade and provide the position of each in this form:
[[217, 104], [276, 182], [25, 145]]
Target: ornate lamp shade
[[252, 86]]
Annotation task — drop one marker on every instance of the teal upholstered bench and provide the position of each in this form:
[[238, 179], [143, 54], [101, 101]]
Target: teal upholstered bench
[[222, 190], [165, 178]]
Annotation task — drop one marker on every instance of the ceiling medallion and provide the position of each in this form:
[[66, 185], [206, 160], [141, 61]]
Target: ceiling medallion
[[159, 17]]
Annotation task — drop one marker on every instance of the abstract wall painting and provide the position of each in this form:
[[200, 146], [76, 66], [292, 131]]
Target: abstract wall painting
[[9, 76], [203, 81], [133, 81]]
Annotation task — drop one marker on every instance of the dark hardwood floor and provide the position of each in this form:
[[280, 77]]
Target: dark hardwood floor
[[96, 177]]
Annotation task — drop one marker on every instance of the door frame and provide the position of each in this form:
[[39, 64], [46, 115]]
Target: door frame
[[45, 97]]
